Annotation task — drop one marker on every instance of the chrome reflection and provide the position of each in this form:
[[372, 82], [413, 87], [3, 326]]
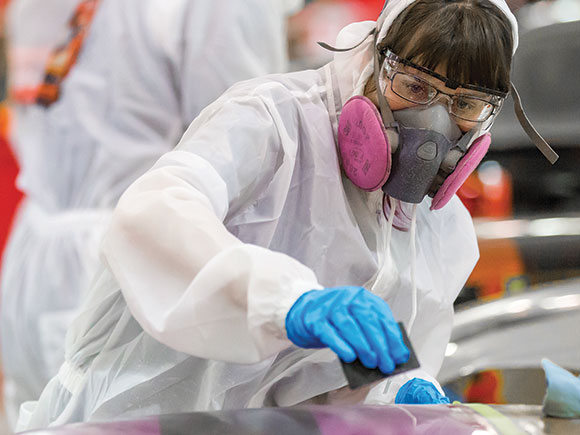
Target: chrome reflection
[[540, 227], [558, 298], [516, 332]]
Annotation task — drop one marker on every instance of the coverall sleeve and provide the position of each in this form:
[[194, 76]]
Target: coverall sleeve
[[187, 280]]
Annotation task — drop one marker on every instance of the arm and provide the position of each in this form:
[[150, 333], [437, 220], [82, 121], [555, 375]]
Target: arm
[[189, 282]]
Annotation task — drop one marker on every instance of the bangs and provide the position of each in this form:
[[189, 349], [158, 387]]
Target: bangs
[[471, 40]]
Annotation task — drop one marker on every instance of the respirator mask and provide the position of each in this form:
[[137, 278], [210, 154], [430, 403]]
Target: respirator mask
[[420, 150]]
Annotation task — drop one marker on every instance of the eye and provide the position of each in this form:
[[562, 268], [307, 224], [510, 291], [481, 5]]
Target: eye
[[416, 88], [412, 88], [464, 104]]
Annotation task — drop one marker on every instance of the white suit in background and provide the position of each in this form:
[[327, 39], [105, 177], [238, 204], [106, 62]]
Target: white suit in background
[[210, 248], [146, 69]]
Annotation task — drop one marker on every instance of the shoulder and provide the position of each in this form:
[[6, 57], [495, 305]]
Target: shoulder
[[265, 103], [300, 86], [283, 98]]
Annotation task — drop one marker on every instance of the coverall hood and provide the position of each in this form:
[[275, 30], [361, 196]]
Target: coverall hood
[[354, 67]]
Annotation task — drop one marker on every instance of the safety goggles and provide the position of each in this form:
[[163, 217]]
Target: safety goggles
[[469, 102]]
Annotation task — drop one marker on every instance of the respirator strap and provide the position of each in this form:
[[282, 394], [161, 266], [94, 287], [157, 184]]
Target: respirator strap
[[384, 108], [385, 111], [453, 157], [532, 133], [342, 50]]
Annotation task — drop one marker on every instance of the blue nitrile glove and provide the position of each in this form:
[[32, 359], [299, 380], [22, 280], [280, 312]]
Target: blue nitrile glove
[[418, 391], [351, 321]]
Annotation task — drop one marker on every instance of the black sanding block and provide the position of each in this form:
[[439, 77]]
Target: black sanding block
[[358, 375]]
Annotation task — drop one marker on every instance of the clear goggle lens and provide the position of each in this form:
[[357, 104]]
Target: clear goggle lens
[[419, 91]]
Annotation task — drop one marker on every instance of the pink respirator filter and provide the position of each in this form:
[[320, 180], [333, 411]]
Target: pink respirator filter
[[464, 168], [363, 145]]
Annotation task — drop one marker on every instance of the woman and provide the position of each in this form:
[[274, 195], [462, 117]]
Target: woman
[[140, 71], [256, 239]]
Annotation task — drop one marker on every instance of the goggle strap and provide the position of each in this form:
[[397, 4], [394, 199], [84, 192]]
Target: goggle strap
[[532, 133], [384, 109], [341, 50], [466, 140]]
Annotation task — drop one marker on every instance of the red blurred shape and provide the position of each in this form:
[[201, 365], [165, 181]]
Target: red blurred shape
[[488, 192], [9, 195], [485, 387]]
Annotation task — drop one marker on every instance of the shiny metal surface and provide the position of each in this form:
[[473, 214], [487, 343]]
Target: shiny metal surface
[[529, 420], [339, 420], [517, 332], [554, 226], [311, 420]]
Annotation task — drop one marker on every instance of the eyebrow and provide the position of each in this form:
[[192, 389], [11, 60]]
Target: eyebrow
[[449, 83], [427, 78]]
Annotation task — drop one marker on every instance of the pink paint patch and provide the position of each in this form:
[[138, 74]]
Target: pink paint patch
[[364, 148], [464, 168]]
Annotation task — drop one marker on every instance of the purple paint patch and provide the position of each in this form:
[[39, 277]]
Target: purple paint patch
[[400, 420]]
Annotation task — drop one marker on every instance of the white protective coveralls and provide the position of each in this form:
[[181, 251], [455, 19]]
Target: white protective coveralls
[[146, 70], [209, 249]]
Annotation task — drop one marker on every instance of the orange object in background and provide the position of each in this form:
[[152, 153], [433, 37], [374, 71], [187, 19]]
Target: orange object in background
[[500, 270], [488, 193], [485, 387], [64, 58]]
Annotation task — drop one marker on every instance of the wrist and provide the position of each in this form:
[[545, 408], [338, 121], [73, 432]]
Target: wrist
[[295, 329]]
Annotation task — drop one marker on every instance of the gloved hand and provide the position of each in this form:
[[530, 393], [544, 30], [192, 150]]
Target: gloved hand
[[420, 392], [351, 321]]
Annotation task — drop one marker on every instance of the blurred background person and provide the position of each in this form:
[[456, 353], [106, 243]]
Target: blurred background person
[[9, 195], [102, 89]]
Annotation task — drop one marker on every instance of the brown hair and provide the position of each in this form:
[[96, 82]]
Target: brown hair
[[472, 38]]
